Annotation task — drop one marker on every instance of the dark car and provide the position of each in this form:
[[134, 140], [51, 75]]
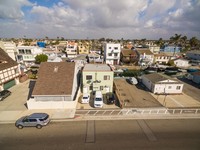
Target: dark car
[[110, 98], [4, 94]]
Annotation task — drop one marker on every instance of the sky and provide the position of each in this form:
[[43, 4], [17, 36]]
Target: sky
[[94, 19]]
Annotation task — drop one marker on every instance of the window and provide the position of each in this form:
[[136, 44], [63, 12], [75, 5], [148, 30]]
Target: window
[[101, 87], [178, 87], [88, 77], [116, 48], [116, 54], [109, 47], [106, 77], [90, 88], [109, 54], [169, 87], [32, 120]]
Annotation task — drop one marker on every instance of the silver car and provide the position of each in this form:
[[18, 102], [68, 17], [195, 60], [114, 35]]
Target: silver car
[[37, 120]]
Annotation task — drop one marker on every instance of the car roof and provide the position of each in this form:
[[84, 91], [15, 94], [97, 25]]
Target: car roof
[[38, 115]]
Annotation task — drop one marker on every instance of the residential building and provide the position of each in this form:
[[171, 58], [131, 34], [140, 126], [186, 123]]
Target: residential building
[[9, 71], [159, 84], [129, 56], [171, 49], [26, 54], [111, 53], [9, 47], [161, 58], [154, 49], [97, 77], [56, 86], [146, 57], [194, 55], [95, 58], [181, 63], [71, 49], [83, 48]]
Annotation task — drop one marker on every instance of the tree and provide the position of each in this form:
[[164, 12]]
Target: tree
[[41, 58], [175, 39], [193, 42]]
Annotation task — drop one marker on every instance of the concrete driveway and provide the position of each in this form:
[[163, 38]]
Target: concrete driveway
[[17, 100]]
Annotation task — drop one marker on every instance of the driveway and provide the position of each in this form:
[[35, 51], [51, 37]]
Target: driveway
[[17, 100]]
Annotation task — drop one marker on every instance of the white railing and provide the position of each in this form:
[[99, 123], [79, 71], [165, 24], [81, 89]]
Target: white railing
[[124, 112]]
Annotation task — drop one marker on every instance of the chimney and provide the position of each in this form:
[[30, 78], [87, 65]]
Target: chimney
[[56, 69]]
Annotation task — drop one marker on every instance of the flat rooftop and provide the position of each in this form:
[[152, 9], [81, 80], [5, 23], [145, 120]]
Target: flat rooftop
[[97, 67], [131, 96]]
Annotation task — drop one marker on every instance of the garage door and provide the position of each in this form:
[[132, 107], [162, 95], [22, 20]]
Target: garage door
[[9, 84]]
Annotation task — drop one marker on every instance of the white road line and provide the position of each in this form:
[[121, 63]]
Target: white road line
[[90, 132], [151, 137], [176, 101]]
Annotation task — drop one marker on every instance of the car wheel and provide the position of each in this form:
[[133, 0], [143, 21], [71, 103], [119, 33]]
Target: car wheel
[[38, 126], [20, 127]]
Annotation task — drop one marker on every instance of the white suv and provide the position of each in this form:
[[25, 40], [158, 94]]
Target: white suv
[[85, 98]]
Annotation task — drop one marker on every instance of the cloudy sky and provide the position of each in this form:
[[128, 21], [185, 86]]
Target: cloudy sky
[[80, 19]]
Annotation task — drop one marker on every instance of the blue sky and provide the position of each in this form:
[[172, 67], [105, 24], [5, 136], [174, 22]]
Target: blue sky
[[79, 19]]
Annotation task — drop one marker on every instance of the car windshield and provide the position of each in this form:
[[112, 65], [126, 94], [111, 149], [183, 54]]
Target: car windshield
[[98, 99]]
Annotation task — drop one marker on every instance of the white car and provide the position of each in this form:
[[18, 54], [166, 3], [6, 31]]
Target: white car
[[85, 98]]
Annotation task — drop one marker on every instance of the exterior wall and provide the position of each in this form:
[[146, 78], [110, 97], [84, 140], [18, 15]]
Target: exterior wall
[[9, 48], [52, 98], [154, 49], [26, 54], [167, 88], [9, 74], [93, 85], [111, 52], [32, 104], [170, 88], [161, 59], [171, 49], [82, 49], [146, 59], [71, 50], [181, 63]]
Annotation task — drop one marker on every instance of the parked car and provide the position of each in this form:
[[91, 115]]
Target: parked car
[[37, 120], [110, 98], [85, 98], [98, 99], [132, 80], [4, 94]]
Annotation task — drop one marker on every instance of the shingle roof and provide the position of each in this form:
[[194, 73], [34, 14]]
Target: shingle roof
[[144, 50], [6, 61], [127, 52], [55, 78], [155, 78]]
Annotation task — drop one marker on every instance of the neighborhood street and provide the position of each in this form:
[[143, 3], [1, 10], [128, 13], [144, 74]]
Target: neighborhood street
[[102, 135]]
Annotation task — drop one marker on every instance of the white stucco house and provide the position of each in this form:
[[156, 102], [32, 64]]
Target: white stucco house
[[112, 53], [159, 84], [26, 54], [9, 47], [182, 63]]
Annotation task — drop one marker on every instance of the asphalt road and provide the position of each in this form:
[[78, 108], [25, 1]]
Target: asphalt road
[[102, 135]]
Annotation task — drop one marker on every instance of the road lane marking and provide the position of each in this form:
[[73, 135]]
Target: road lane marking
[[147, 131], [90, 132]]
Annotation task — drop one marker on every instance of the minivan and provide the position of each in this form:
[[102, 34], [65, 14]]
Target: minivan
[[98, 99]]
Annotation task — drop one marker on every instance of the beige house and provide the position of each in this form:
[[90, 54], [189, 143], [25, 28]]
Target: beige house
[[83, 48], [97, 77]]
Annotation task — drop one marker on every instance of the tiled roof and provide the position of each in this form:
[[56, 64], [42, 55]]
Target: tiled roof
[[127, 52], [55, 78], [6, 61]]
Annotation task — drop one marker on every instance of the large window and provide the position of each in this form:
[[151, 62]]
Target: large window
[[89, 77], [106, 77], [178, 87], [109, 54]]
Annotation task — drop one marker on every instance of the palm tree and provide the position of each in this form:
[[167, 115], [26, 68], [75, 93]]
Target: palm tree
[[194, 42], [176, 40]]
